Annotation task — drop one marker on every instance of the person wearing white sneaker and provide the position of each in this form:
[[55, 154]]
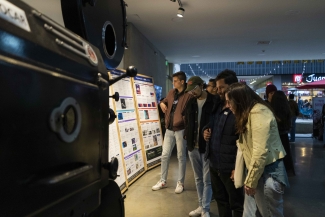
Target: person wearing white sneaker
[[173, 106], [197, 115], [205, 214]]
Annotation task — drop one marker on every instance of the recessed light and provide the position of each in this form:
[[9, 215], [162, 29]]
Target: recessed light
[[195, 56]]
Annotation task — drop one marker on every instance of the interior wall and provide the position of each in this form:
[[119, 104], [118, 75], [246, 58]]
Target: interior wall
[[142, 54]]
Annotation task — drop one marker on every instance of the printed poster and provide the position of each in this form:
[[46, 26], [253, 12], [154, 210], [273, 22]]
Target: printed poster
[[149, 119], [128, 127]]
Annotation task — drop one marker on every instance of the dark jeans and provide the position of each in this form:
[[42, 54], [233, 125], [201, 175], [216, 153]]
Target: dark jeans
[[287, 160], [227, 196]]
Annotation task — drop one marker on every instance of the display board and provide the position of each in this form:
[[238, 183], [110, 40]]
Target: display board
[[146, 104], [128, 128], [115, 148]]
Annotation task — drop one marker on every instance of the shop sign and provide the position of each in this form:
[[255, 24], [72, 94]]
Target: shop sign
[[312, 78], [297, 78]]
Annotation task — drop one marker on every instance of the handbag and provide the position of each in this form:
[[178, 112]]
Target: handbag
[[239, 175]]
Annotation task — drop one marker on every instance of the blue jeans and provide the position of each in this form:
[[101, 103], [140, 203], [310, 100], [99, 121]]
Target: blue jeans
[[293, 129], [169, 143], [202, 178], [268, 199]]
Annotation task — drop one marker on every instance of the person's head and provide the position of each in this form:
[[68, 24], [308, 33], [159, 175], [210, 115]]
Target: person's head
[[240, 99], [179, 79], [323, 110], [195, 86], [223, 80], [291, 96], [281, 108], [211, 87], [269, 91]]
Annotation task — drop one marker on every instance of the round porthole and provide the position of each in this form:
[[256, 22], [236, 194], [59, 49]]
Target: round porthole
[[109, 39], [66, 120]]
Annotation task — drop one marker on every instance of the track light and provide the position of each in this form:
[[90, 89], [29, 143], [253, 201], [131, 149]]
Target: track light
[[180, 12]]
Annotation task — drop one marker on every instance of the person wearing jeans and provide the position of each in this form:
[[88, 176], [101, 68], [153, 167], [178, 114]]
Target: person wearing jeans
[[294, 114], [262, 149], [222, 150], [173, 106], [197, 115]]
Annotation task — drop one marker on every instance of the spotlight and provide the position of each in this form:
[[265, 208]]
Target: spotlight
[[180, 12]]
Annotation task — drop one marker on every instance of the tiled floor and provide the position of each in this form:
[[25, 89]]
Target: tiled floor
[[305, 197]]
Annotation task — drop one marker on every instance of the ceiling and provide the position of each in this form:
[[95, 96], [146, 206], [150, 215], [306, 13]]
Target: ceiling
[[225, 30], [228, 30]]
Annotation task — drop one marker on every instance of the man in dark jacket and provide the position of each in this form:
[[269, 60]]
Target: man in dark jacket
[[222, 150], [197, 115]]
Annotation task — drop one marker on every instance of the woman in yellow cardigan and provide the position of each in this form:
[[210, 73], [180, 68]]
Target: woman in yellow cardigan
[[262, 150]]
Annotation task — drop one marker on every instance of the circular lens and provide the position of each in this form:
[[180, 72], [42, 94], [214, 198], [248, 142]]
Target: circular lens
[[109, 39]]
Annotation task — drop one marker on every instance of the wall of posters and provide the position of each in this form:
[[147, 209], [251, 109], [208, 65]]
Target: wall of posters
[[146, 103], [115, 150], [128, 128]]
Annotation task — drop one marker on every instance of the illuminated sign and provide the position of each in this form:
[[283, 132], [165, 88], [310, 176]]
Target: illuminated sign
[[297, 78], [312, 78]]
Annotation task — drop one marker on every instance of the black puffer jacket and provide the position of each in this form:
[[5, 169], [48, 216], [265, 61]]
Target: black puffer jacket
[[191, 122], [222, 149]]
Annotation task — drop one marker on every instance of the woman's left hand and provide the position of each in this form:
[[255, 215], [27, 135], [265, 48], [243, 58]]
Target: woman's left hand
[[249, 191]]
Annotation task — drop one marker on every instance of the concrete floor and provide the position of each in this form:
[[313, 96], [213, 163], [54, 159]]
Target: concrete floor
[[305, 197]]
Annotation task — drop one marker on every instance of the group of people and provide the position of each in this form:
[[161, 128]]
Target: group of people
[[218, 123]]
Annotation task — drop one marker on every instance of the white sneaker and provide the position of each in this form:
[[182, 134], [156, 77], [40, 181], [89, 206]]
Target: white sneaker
[[205, 214], [159, 185], [196, 213], [179, 188]]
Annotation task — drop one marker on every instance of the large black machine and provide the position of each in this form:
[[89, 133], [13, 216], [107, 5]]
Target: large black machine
[[54, 112]]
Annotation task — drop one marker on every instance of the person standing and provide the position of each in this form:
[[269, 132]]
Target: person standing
[[269, 91], [281, 109], [221, 151], [294, 114], [173, 106], [262, 150], [197, 115], [211, 87]]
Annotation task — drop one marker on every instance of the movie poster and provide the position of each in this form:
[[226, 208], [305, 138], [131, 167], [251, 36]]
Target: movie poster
[[128, 127], [146, 103]]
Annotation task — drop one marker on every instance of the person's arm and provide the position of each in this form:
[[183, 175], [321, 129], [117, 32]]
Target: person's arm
[[260, 135]]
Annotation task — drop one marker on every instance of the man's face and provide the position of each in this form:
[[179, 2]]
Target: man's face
[[269, 97], [221, 87], [197, 91], [177, 83], [211, 88]]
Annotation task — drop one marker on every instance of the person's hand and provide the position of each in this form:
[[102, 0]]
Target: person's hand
[[207, 134], [163, 107], [232, 176], [249, 191]]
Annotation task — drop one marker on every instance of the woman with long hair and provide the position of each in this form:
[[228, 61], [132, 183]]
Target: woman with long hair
[[262, 150], [281, 108]]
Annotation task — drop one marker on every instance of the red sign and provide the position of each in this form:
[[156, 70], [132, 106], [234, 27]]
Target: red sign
[[297, 79]]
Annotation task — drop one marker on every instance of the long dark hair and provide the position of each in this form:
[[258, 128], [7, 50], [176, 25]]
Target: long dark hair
[[281, 108], [243, 99]]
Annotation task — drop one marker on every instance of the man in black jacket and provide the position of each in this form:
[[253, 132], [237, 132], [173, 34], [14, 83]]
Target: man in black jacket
[[222, 150], [197, 115]]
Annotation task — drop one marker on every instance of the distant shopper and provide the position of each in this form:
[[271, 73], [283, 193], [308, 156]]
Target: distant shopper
[[262, 150], [294, 114], [221, 136], [197, 115], [281, 108], [323, 123], [173, 106], [269, 91], [211, 87]]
